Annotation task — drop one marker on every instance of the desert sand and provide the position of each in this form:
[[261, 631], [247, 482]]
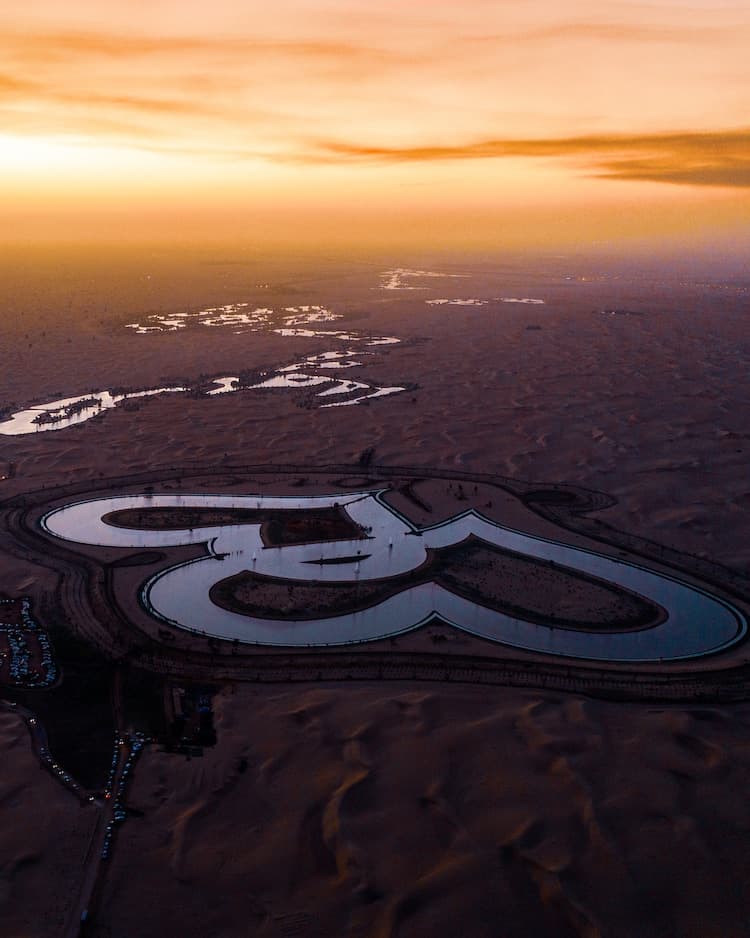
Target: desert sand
[[46, 834], [433, 811], [398, 808]]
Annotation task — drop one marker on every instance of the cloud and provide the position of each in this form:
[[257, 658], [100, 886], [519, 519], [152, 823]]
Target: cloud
[[104, 129], [217, 95], [616, 32], [719, 158], [729, 174], [48, 48], [233, 81], [12, 87], [132, 103], [79, 106], [19, 90]]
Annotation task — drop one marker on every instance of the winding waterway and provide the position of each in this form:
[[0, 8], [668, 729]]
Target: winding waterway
[[696, 622]]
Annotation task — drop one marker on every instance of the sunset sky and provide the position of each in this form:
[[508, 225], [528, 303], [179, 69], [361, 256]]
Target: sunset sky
[[480, 122]]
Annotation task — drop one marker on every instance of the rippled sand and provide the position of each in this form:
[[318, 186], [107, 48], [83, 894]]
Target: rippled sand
[[388, 811]]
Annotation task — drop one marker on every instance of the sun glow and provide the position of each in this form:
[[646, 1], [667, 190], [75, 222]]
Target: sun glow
[[58, 169], [452, 117], [32, 155]]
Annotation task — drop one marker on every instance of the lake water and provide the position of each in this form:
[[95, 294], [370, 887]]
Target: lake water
[[697, 623], [68, 412]]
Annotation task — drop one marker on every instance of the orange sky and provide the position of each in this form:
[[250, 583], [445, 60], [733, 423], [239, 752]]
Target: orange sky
[[479, 122]]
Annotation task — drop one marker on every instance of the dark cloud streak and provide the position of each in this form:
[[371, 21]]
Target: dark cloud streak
[[717, 158]]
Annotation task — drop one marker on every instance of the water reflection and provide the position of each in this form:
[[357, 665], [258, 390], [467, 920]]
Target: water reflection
[[696, 622], [237, 316], [69, 412], [477, 302], [400, 278]]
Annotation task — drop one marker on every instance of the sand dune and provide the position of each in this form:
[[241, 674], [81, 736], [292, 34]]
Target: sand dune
[[397, 812]]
